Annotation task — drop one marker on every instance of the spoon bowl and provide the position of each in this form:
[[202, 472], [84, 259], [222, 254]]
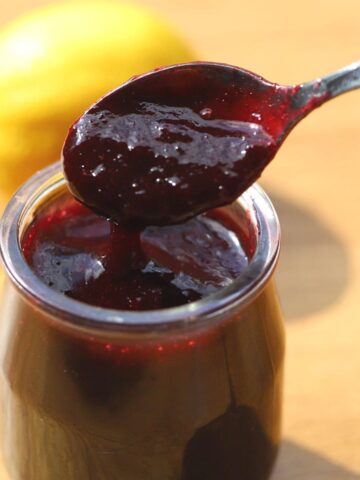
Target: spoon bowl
[[175, 142]]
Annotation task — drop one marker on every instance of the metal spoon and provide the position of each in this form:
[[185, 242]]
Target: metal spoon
[[175, 142]]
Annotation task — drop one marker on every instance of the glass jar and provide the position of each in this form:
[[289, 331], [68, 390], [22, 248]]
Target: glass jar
[[186, 393]]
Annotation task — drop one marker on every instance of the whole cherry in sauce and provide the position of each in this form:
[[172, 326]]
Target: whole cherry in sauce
[[180, 140]]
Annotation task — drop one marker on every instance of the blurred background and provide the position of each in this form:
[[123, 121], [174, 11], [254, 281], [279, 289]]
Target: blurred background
[[55, 60]]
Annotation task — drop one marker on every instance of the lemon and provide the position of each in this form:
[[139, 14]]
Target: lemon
[[58, 60]]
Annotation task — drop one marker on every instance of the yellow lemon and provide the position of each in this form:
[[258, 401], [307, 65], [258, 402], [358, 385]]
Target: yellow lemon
[[59, 59]]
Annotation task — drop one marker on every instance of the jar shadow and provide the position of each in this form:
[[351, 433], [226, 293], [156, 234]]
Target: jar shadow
[[296, 461], [313, 270]]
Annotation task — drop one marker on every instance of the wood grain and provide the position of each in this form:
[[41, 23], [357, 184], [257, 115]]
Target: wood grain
[[314, 182]]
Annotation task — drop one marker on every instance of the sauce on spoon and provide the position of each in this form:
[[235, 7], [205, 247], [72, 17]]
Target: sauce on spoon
[[175, 142], [171, 144]]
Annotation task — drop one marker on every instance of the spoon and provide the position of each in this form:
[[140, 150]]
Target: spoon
[[180, 140]]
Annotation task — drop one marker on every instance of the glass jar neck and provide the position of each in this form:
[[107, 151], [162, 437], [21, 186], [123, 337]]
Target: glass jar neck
[[255, 209]]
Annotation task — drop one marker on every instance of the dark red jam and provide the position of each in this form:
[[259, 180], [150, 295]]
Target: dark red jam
[[172, 144], [84, 256], [200, 404]]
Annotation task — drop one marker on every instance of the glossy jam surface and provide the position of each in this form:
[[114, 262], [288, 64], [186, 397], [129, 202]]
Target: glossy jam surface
[[174, 143], [84, 256]]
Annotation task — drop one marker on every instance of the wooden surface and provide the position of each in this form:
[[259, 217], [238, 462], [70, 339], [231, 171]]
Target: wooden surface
[[314, 183]]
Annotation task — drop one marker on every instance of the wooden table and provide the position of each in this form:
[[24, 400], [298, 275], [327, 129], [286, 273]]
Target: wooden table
[[314, 183]]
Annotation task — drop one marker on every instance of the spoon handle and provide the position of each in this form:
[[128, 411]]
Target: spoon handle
[[343, 80], [324, 88]]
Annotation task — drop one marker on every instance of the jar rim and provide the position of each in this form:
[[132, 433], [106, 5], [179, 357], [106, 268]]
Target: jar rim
[[82, 316]]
